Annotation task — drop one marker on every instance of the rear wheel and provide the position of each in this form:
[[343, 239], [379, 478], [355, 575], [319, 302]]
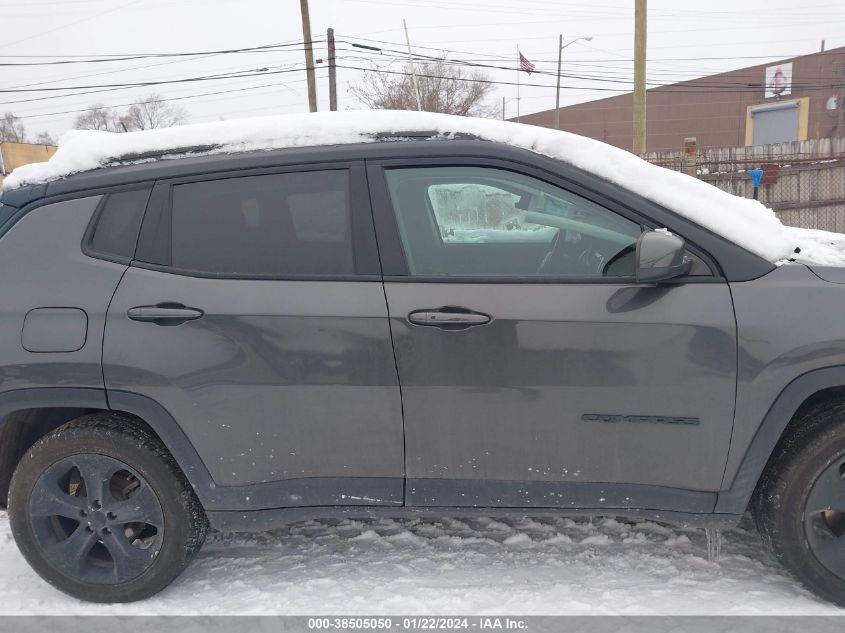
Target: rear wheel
[[800, 503], [101, 511]]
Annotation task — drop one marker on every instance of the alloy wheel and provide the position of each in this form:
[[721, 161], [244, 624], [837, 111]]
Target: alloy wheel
[[96, 519]]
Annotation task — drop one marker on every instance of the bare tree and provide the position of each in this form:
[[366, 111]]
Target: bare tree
[[443, 88], [149, 113], [45, 138], [153, 112], [99, 117], [12, 129]]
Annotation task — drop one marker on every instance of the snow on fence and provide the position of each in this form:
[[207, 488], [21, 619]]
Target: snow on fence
[[804, 181]]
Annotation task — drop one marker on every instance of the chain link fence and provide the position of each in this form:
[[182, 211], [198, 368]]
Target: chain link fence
[[804, 182]]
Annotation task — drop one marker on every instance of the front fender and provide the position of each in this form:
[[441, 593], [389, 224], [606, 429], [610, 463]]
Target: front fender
[[735, 499]]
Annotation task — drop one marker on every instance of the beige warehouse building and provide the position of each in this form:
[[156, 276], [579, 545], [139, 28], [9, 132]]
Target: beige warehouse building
[[13, 155]]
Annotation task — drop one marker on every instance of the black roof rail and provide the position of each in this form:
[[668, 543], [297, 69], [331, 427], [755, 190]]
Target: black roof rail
[[202, 149], [424, 135], [161, 153]]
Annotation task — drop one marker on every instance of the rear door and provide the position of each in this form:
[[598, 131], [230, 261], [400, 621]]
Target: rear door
[[535, 371], [254, 314]]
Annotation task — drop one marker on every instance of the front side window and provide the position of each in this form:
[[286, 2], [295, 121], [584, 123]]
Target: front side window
[[479, 221], [276, 224]]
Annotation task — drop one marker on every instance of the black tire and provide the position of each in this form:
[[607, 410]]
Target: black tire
[[125, 561], [807, 467]]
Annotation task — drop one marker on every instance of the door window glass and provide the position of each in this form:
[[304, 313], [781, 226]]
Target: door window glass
[[478, 221], [277, 224], [118, 223]]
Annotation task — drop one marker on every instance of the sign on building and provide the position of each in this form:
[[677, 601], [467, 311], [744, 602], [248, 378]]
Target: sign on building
[[778, 80]]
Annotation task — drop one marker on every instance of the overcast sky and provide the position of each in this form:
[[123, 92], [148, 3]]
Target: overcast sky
[[683, 42]]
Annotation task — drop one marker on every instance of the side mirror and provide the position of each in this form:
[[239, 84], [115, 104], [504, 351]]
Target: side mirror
[[660, 257]]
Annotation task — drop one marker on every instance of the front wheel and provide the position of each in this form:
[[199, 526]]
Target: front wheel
[[101, 511], [800, 502]]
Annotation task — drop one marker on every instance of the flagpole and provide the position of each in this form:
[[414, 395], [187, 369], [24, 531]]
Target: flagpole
[[517, 83]]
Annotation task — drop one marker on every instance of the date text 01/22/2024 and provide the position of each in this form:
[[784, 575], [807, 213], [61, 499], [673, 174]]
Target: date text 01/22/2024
[[417, 624]]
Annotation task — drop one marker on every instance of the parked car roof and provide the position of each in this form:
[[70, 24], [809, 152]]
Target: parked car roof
[[743, 221]]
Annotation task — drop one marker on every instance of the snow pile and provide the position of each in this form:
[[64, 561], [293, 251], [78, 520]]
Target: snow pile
[[515, 566], [821, 248], [743, 221]]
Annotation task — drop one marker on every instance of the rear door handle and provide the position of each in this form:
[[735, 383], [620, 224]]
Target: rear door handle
[[449, 318], [164, 314]]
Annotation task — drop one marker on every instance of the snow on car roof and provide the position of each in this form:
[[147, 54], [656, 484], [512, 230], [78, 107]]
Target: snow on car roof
[[746, 222]]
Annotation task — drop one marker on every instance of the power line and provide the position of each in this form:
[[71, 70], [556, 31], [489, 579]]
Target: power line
[[254, 72], [668, 88], [141, 67], [88, 92], [704, 82], [602, 75], [701, 86], [616, 59], [124, 105], [92, 59]]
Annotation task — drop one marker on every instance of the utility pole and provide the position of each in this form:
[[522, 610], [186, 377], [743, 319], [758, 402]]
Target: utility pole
[[309, 56], [640, 30], [503, 108], [332, 71], [557, 92], [413, 67]]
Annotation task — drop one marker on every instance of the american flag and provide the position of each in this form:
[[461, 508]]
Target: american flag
[[524, 64]]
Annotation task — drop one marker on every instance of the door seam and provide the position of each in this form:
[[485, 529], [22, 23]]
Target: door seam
[[736, 391], [392, 341], [103, 339]]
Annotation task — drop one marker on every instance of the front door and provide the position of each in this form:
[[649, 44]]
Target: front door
[[254, 314], [535, 372]]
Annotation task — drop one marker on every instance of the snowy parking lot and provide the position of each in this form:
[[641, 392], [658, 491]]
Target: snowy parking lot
[[478, 566]]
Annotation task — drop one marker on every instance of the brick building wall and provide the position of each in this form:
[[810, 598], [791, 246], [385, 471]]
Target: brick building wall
[[714, 109]]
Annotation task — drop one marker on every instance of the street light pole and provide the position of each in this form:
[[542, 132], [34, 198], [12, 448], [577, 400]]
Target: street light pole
[[560, 47], [557, 92]]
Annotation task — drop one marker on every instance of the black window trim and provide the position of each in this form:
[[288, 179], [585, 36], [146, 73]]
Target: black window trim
[[93, 192], [203, 274], [88, 236], [394, 262], [366, 260]]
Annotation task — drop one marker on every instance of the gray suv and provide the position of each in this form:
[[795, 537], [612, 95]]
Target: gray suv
[[422, 326]]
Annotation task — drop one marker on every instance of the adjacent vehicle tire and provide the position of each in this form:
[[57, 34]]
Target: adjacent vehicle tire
[[799, 506], [101, 511]]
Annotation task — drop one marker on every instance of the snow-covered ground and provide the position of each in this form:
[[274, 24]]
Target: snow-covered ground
[[480, 566]]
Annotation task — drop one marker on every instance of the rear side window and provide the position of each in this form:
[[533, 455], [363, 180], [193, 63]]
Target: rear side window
[[116, 226], [276, 224]]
